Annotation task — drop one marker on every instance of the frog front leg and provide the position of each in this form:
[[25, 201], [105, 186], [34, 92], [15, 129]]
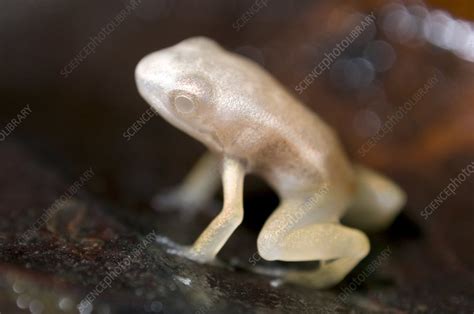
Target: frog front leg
[[221, 228], [197, 188]]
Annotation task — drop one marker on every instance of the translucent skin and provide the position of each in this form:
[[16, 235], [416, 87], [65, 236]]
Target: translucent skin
[[250, 123]]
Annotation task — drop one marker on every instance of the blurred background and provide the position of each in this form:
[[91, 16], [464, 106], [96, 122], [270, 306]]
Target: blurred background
[[75, 108]]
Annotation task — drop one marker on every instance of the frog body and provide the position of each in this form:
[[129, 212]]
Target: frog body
[[251, 124]]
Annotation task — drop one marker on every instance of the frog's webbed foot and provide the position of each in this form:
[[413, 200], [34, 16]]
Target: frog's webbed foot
[[186, 251], [196, 190], [194, 255]]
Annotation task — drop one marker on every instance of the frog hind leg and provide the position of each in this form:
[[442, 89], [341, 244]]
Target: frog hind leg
[[377, 201], [312, 237]]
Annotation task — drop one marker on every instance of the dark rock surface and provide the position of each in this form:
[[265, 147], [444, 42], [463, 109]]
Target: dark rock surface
[[78, 123]]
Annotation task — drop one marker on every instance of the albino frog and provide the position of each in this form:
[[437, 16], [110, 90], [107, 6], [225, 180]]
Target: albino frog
[[251, 124]]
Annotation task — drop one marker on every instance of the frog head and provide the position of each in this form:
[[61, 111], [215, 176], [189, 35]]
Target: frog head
[[179, 83]]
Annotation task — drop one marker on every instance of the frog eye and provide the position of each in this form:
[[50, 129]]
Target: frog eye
[[184, 104]]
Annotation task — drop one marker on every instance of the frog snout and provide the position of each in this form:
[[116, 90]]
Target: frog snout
[[151, 92], [143, 74]]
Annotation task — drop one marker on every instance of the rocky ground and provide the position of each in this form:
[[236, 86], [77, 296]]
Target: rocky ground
[[78, 123]]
